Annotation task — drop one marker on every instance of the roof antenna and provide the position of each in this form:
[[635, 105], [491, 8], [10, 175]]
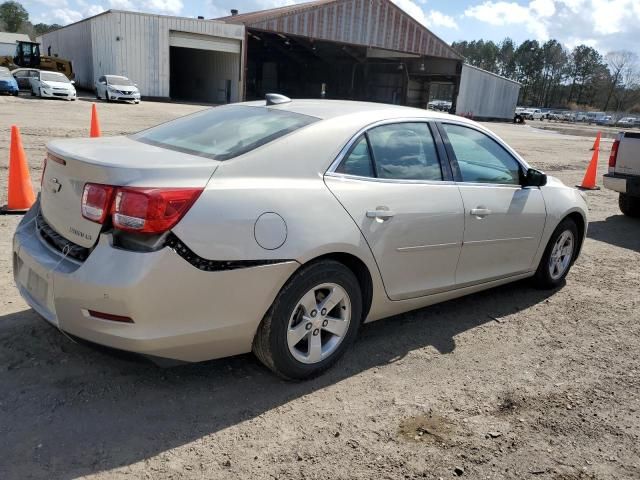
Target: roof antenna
[[276, 99]]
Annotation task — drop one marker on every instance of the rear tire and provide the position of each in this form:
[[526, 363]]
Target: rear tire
[[558, 256], [294, 329], [629, 205]]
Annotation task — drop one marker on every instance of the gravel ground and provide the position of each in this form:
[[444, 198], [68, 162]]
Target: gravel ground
[[508, 383]]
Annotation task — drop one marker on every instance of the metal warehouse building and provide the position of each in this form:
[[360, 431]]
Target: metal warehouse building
[[342, 49], [8, 42], [168, 57]]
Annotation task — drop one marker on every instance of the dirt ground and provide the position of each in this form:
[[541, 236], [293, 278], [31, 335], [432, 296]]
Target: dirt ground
[[508, 383]]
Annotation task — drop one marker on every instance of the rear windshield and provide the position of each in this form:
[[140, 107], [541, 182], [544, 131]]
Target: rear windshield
[[222, 133]]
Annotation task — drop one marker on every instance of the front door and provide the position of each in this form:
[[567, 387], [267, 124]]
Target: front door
[[503, 220], [392, 184]]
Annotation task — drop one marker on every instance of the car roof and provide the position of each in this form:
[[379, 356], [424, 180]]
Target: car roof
[[327, 109]]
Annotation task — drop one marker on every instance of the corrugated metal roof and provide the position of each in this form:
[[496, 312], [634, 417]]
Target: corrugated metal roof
[[6, 37], [371, 23]]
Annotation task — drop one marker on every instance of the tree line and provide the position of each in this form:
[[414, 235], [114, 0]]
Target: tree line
[[14, 18], [553, 76]]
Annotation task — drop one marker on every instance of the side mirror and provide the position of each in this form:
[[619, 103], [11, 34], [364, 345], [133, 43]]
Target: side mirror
[[73, 82], [534, 178]]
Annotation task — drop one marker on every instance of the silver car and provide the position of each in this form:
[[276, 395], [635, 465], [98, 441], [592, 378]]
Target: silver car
[[281, 227]]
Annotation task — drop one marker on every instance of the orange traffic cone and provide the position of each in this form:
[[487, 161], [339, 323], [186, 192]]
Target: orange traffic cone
[[20, 192], [589, 180], [95, 123]]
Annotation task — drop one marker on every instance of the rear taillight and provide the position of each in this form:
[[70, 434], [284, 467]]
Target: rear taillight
[[96, 201], [613, 156], [151, 210], [134, 209]]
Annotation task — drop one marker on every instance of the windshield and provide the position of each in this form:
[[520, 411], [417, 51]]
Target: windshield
[[53, 77], [222, 133], [111, 80]]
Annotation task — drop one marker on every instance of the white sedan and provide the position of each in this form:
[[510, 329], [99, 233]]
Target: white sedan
[[279, 227], [115, 87], [52, 85]]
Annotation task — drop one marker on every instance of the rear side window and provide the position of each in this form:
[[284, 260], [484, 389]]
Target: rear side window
[[222, 133], [405, 151], [480, 158], [358, 161]]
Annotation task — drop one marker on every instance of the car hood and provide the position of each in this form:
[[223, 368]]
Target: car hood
[[66, 86], [126, 88]]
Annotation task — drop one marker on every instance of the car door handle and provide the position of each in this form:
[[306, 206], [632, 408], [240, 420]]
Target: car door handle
[[382, 214], [480, 212]]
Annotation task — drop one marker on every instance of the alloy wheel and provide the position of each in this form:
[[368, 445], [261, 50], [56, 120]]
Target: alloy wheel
[[319, 323], [561, 255]]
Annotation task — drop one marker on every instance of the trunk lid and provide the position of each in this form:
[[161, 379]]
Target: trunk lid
[[118, 161]]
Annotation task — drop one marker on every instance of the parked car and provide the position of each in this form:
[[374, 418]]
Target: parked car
[[533, 114], [52, 85], [8, 84], [580, 117], [115, 87], [240, 228], [23, 77], [624, 172], [605, 120], [593, 117], [627, 122]]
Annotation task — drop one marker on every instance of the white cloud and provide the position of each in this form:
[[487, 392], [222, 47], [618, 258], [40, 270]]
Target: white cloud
[[431, 18], [499, 13], [170, 7], [604, 24], [121, 5], [439, 19]]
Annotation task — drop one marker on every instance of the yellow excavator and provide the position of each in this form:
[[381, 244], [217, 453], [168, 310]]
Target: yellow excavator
[[28, 56]]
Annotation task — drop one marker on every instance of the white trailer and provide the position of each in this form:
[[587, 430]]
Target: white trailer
[[486, 96]]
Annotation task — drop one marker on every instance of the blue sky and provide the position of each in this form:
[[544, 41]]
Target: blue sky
[[604, 24]]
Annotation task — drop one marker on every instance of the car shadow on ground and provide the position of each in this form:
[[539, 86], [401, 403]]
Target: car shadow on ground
[[618, 230], [69, 410]]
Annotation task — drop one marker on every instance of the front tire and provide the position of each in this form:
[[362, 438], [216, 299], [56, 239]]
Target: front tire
[[313, 320], [558, 256], [629, 205]]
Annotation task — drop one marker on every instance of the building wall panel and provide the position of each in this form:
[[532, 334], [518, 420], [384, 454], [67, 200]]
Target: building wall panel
[[73, 43]]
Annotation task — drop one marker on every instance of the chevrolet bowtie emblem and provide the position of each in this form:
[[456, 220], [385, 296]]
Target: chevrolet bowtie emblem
[[54, 185]]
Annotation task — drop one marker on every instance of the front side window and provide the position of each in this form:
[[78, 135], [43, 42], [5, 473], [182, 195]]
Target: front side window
[[358, 160], [222, 133], [405, 151], [480, 158]]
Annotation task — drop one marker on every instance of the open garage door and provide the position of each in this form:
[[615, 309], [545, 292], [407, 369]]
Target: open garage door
[[204, 68]]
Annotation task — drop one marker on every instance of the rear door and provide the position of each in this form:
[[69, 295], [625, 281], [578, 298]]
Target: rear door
[[409, 210], [503, 221], [628, 159]]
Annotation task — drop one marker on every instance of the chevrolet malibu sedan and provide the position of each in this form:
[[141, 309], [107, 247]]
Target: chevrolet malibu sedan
[[279, 227]]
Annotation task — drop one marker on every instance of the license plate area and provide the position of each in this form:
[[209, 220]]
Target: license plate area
[[37, 287]]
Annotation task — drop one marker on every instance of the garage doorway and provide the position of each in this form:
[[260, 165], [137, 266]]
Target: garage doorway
[[204, 68]]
